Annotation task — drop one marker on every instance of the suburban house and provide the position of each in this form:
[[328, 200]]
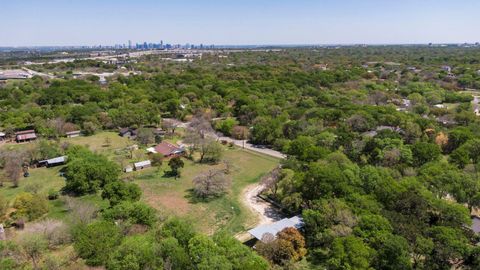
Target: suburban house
[[166, 149], [72, 134], [53, 161], [25, 136], [128, 133], [142, 165], [272, 229]]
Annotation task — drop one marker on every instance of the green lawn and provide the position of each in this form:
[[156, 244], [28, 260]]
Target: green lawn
[[171, 196]]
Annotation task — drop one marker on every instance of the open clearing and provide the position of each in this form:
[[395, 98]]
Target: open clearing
[[171, 196]]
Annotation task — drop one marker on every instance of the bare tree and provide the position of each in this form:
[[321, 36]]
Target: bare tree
[[241, 133], [80, 212], [170, 124], [33, 247], [211, 184], [201, 124], [14, 166], [270, 180]]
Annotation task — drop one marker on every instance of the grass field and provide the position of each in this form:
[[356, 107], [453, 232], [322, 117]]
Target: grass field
[[170, 196]]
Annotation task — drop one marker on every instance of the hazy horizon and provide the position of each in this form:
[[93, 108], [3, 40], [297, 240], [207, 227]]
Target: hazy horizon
[[282, 22]]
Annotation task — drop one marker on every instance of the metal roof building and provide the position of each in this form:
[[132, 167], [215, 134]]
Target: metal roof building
[[274, 228]]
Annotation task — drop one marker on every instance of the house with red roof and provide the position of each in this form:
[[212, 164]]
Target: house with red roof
[[166, 149]]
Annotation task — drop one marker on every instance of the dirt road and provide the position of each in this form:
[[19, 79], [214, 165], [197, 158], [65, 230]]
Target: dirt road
[[266, 212]]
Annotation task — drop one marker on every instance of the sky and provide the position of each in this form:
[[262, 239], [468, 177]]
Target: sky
[[240, 22]]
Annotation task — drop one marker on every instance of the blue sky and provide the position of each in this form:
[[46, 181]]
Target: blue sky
[[91, 22]]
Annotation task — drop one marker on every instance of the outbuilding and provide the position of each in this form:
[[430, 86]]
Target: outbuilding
[[272, 229], [142, 165], [72, 134], [25, 136], [53, 161]]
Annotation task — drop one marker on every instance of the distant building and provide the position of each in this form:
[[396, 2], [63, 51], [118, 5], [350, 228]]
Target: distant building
[[72, 134], [14, 74], [166, 149], [142, 165], [128, 133], [2, 136], [25, 136]]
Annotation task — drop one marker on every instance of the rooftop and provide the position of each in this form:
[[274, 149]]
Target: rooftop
[[274, 228]]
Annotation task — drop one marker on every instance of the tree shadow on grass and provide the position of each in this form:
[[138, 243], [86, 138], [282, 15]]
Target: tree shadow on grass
[[194, 199]]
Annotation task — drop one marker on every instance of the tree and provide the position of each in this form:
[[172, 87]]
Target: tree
[[31, 206], [226, 126], [13, 166], [270, 181], [296, 239], [241, 133], [96, 241], [33, 246], [177, 228], [87, 172], [157, 159], [175, 256], [131, 212], [211, 184], [210, 151], [89, 128], [349, 253], [201, 125], [145, 136], [135, 252], [119, 191], [206, 254], [169, 124], [425, 152], [176, 163]]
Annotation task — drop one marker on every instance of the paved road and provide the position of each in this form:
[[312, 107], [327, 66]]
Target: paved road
[[251, 147], [240, 143]]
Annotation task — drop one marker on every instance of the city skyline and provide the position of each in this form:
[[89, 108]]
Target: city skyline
[[248, 22]]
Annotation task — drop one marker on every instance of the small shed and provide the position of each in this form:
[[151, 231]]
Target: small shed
[[2, 136], [128, 169], [72, 134], [142, 165], [25, 136], [53, 161]]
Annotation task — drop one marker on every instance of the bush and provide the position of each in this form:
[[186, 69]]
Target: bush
[[119, 191], [133, 213], [30, 206], [96, 241], [52, 194]]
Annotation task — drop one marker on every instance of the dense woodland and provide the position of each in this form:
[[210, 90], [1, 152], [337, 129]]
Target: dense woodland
[[379, 183]]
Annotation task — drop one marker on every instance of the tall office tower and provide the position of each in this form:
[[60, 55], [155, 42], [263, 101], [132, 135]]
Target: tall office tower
[[129, 44]]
